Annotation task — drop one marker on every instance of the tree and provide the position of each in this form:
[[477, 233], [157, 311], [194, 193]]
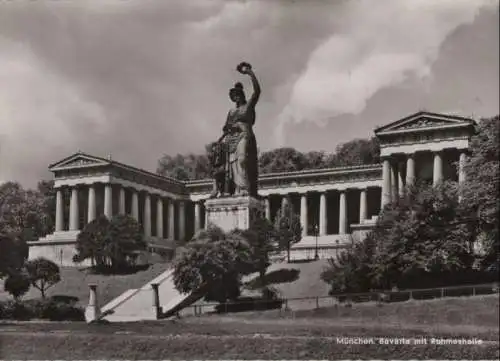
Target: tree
[[110, 244], [355, 152], [350, 272], [14, 251], [213, 261], [22, 213], [42, 274], [17, 284], [185, 167], [288, 229], [281, 160], [315, 160], [286, 159], [481, 187], [47, 193], [261, 237], [125, 240], [422, 239], [91, 242]]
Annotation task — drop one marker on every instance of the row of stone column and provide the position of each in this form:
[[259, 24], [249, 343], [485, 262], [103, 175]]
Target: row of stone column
[[108, 210], [323, 219], [393, 184]]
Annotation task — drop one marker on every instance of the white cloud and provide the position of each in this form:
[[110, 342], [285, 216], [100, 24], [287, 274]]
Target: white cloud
[[377, 45]]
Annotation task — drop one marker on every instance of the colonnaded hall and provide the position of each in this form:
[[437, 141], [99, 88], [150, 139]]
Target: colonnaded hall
[[337, 206]]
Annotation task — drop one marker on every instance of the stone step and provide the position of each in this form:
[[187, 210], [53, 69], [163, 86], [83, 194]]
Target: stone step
[[137, 304]]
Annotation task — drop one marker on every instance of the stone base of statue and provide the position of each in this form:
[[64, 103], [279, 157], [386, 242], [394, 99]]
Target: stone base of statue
[[233, 212]]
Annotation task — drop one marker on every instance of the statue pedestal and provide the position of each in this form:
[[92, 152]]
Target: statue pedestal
[[229, 213]]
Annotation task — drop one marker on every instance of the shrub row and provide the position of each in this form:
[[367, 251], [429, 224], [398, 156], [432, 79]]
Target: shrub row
[[249, 304], [51, 309]]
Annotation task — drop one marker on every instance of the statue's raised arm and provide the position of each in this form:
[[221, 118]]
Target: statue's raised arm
[[245, 68]]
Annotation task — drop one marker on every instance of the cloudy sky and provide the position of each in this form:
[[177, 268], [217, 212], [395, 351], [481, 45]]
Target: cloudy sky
[[140, 78]]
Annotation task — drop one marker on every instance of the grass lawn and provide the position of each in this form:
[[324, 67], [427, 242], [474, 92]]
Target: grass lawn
[[308, 284], [314, 334], [74, 282]]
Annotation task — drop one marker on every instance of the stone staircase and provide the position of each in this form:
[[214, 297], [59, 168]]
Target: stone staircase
[[137, 304]]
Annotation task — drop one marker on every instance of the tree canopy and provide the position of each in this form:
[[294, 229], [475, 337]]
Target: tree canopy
[[110, 244], [262, 240], [286, 159], [14, 251], [418, 241], [288, 230], [42, 274], [215, 261], [23, 213], [481, 187]]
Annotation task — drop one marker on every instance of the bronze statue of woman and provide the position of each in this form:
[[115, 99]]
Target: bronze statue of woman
[[240, 138]]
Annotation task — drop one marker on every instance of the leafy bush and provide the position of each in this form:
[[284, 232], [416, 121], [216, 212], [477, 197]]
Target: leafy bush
[[42, 274], [13, 310], [14, 252], [243, 304], [41, 309], [68, 300], [17, 284]]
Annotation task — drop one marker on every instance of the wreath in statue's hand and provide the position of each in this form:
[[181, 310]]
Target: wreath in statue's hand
[[244, 67]]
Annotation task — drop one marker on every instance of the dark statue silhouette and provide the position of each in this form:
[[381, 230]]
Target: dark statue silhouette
[[234, 155]]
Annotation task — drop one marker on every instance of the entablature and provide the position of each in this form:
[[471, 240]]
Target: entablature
[[313, 180], [82, 168]]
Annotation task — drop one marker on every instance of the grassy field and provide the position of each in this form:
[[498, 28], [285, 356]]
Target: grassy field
[[470, 311], [313, 334], [74, 282], [308, 284]]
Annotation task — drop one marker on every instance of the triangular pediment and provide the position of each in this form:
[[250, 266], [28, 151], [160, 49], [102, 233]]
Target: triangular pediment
[[425, 120], [79, 160]]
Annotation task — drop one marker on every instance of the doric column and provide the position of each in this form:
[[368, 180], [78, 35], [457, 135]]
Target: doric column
[[91, 211], [73, 210], [401, 183], [362, 206], [59, 210], [197, 216], [171, 219], [134, 209], [303, 214], [386, 182], [147, 215], [285, 201], [394, 181], [461, 167], [121, 201], [182, 220], [342, 213], [437, 175], [268, 208], [159, 217], [322, 214], [410, 170], [108, 201]]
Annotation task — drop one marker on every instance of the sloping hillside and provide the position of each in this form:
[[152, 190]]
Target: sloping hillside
[[309, 283], [74, 282]]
